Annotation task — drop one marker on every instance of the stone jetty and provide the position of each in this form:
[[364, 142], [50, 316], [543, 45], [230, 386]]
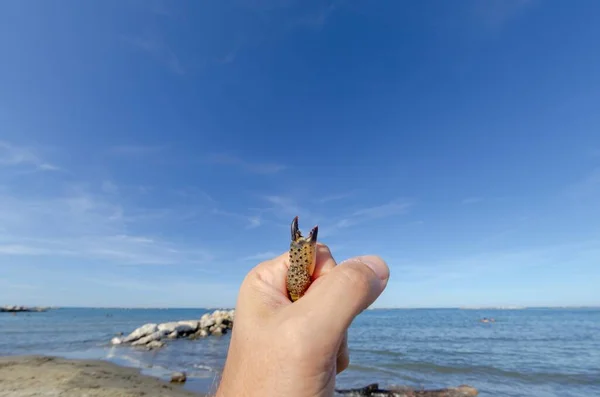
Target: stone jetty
[[154, 336], [19, 309], [373, 390]]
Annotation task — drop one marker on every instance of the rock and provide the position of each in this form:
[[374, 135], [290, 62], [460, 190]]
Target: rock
[[178, 377], [202, 333], [206, 322], [193, 324], [18, 309], [215, 323], [142, 331], [175, 327], [373, 390], [149, 338], [155, 344]]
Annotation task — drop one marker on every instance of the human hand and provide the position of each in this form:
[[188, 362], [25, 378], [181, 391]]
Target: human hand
[[284, 349]]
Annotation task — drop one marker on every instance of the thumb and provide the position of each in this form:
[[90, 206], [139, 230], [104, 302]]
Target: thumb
[[341, 294]]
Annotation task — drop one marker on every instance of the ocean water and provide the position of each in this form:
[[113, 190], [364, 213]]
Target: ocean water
[[528, 352]]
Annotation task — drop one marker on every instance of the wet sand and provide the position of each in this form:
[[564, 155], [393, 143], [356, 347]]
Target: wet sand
[[25, 376]]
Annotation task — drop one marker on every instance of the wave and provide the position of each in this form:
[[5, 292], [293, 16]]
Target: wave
[[482, 370]]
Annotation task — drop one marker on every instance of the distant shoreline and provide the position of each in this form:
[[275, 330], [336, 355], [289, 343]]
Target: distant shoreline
[[23, 309], [23, 376]]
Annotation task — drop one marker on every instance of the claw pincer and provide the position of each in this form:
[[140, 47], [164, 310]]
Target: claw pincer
[[303, 258]]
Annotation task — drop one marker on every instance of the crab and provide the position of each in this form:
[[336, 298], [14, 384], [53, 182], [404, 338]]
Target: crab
[[303, 258]]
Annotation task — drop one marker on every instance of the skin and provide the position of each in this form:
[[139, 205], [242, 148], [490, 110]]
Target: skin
[[295, 349]]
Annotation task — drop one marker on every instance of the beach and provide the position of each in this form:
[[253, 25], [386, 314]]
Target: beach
[[28, 376]]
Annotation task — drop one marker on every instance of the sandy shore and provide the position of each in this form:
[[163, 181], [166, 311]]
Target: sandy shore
[[25, 376]]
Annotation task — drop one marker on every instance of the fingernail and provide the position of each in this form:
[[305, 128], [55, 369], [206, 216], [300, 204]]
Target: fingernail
[[377, 265]]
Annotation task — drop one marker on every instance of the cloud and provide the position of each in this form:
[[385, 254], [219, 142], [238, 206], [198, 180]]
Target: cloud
[[165, 292], [135, 150], [392, 208], [260, 257], [588, 186], [316, 19], [78, 223], [157, 48], [576, 256], [161, 8], [252, 221], [255, 168], [8, 285], [230, 56], [333, 197], [285, 206], [494, 14], [109, 187], [13, 156], [472, 200]]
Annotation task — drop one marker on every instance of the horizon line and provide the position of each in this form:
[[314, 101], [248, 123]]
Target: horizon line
[[507, 307]]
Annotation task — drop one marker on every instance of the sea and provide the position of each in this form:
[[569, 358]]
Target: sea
[[524, 352]]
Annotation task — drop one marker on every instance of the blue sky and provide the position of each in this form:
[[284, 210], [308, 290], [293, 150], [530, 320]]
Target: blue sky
[[151, 153]]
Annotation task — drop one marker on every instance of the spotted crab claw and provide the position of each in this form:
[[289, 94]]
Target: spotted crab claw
[[303, 258]]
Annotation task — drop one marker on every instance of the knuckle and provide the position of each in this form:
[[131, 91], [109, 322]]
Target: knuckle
[[252, 282], [251, 279], [324, 248], [356, 277]]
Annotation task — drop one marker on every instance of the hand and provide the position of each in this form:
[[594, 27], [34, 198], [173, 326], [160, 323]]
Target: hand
[[284, 349]]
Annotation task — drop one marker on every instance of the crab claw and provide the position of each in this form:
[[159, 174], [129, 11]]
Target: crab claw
[[294, 229], [312, 236]]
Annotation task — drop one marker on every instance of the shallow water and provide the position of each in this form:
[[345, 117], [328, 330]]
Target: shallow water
[[532, 352]]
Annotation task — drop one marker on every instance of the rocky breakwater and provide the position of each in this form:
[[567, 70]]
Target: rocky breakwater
[[22, 309], [373, 390], [153, 336]]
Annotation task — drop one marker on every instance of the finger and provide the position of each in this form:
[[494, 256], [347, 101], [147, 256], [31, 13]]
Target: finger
[[344, 292], [273, 272], [325, 261], [343, 356], [263, 288], [265, 285]]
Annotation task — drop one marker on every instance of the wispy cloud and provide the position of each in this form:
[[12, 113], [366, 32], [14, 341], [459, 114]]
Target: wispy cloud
[[261, 256], [161, 8], [333, 197], [256, 168], [316, 19], [285, 206], [109, 187], [229, 56], [165, 292], [496, 13], [103, 221], [78, 222], [392, 208], [472, 200], [252, 221], [156, 47], [588, 186], [135, 150], [12, 155], [576, 256]]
